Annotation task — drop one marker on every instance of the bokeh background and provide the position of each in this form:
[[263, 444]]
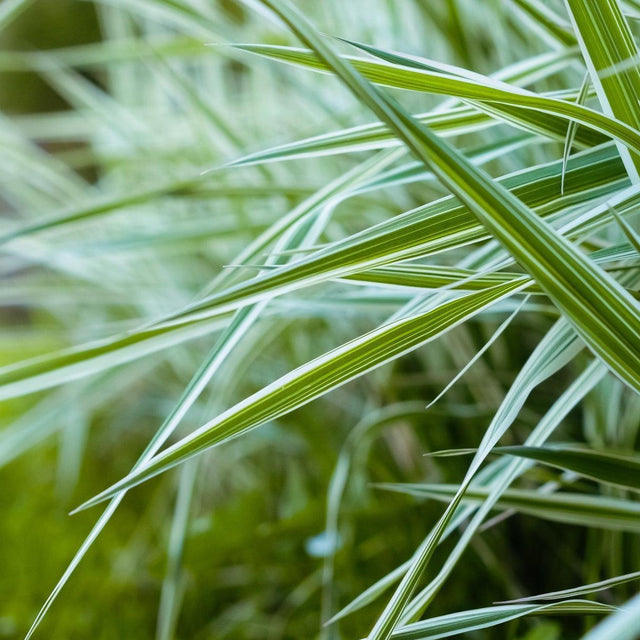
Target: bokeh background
[[99, 100]]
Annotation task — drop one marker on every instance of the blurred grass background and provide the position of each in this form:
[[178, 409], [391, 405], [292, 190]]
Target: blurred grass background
[[251, 567]]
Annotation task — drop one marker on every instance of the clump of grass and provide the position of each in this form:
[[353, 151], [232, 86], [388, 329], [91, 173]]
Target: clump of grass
[[271, 321]]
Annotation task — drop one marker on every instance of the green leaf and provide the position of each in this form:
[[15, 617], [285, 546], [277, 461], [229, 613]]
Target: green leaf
[[316, 378], [64, 366], [569, 508], [541, 114], [607, 45], [557, 348], [605, 316], [572, 129], [499, 475], [70, 364], [468, 621], [613, 334], [581, 590], [452, 122], [602, 466], [170, 595], [211, 364], [438, 226]]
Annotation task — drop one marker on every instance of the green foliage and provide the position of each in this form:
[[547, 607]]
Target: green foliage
[[243, 299]]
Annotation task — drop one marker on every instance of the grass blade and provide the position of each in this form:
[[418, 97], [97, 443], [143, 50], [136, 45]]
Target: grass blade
[[534, 112], [607, 43], [569, 508], [582, 590], [469, 621], [318, 377], [601, 466]]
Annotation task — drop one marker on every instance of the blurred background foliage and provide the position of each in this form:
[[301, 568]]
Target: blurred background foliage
[[130, 100]]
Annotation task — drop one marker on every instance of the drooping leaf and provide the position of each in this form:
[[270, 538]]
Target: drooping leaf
[[517, 106], [582, 590], [607, 43], [602, 466], [316, 378], [569, 508], [468, 621]]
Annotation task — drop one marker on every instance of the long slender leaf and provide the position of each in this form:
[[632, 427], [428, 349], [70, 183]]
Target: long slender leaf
[[606, 41], [555, 263], [581, 590], [569, 508], [603, 466], [468, 621], [318, 377], [518, 105], [499, 212]]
